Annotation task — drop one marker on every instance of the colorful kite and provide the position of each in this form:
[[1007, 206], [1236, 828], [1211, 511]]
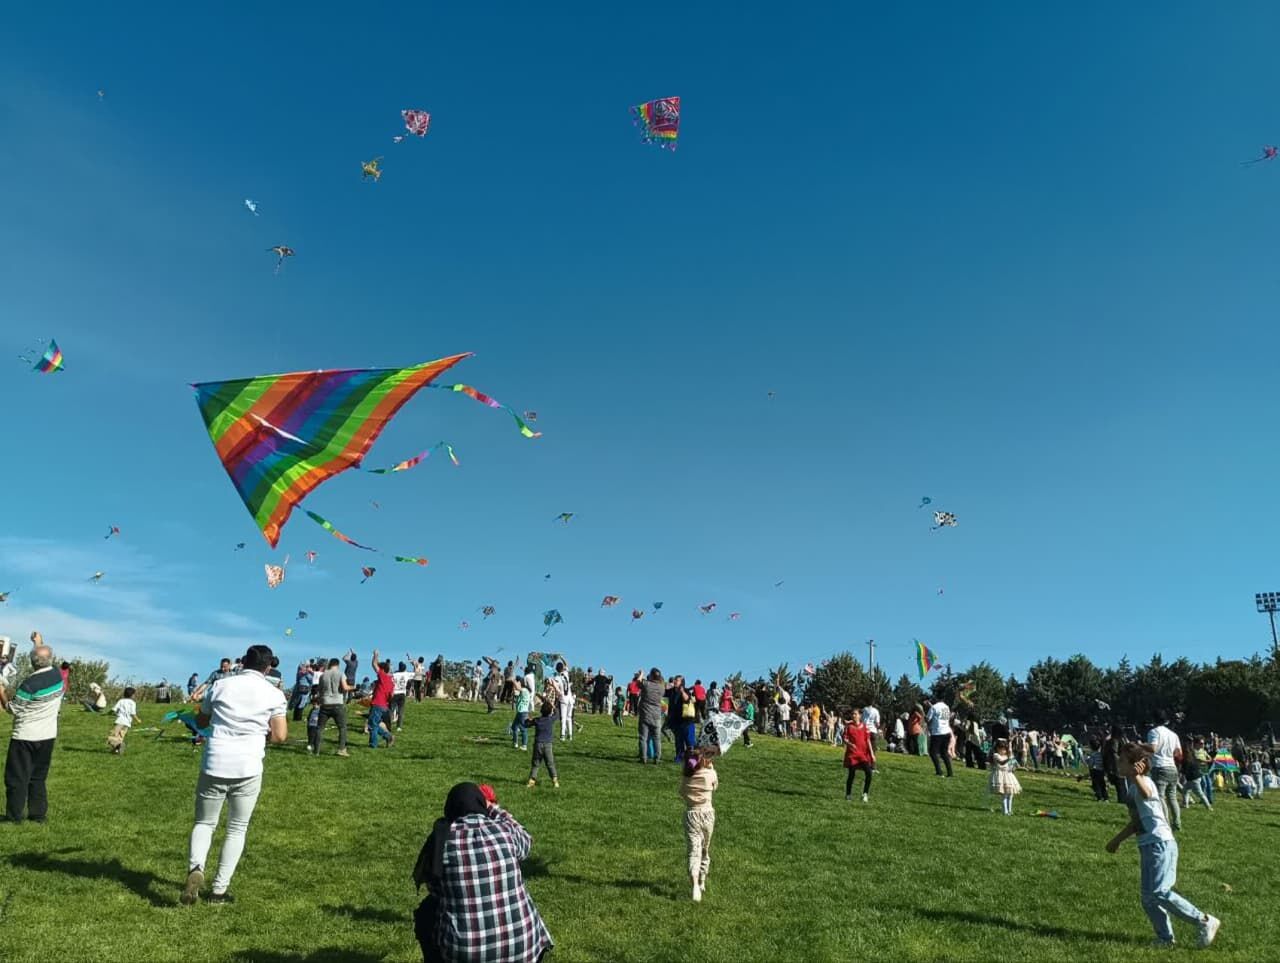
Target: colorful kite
[[288, 632], [415, 460], [1047, 814], [735, 616], [659, 121], [275, 574], [371, 169], [464, 625], [252, 206], [1268, 153], [328, 527], [281, 251], [48, 362], [111, 530], [368, 572], [550, 618], [487, 610], [609, 601], [311, 557], [564, 517], [1223, 761], [411, 559], [97, 576], [484, 399], [416, 122], [926, 660], [943, 520], [279, 436], [708, 608], [966, 689], [809, 669], [637, 615]]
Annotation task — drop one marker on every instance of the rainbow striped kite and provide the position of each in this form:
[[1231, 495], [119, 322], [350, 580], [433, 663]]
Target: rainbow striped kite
[[1223, 761], [659, 121], [50, 361], [926, 660]]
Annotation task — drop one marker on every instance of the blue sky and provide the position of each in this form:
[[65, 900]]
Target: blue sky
[[1008, 261]]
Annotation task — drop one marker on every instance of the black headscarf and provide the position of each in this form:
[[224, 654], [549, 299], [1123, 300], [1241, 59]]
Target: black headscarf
[[464, 799]]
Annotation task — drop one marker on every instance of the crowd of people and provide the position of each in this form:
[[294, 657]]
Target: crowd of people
[[242, 707]]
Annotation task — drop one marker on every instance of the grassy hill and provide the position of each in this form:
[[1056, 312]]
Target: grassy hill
[[925, 872]]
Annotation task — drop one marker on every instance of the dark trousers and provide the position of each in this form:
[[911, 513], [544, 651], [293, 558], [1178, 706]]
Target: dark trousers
[[1121, 792], [746, 736], [681, 731], [298, 700], [338, 714], [700, 709], [938, 753], [397, 710], [415, 687], [543, 752], [974, 758], [25, 769], [866, 778], [1099, 780]]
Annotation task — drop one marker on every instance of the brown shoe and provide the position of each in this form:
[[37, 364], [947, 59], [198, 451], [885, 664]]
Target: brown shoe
[[191, 892]]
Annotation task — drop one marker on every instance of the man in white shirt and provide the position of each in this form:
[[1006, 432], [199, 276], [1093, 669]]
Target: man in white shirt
[[871, 719], [477, 676], [243, 712], [564, 698], [399, 692], [939, 720], [1167, 749], [35, 703]]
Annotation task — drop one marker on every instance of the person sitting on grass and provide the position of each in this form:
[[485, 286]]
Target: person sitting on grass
[[543, 751], [126, 711], [1158, 850], [477, 907], [97, 701], [696, 787]]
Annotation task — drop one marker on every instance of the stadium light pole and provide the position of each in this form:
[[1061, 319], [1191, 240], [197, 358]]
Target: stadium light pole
[[1268, 602]]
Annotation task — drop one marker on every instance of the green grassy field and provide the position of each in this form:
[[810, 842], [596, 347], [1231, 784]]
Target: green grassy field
[[925, 872]]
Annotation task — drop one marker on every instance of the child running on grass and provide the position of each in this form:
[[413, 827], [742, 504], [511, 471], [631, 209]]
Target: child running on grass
[[126, 711], [313, 723], [619, 702], [858, 754], [544, 735], [1003, 782], [1157, 849], [696, 786]]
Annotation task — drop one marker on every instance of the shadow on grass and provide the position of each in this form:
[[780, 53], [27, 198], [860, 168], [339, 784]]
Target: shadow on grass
[[329, 954], [536, 867], [367, 914], [1034, 929], [141, 883]]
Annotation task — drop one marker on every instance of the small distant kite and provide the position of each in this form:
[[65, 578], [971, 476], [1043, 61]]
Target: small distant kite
[[564, 517], [97, 576], [547, 577], [49, 361], [779, 584], [412, 560], [735, 616], [101, 94], [464, 625], [551, 617], [530, 416], [371, 169], [1268, 153], [659, 121], [487, 610], [658, 605], [368, 572], [926, 659], [637, 615], [239, 545], [771, 395], [275, 574], [111, 530], [281, 251], [943, 520], [940, 591], [252, 206], [4, 596], [708, 608], [288, 631], [809, 669], [926, 500], [416, 122], [311, 557], [376, 506], [609, 601]]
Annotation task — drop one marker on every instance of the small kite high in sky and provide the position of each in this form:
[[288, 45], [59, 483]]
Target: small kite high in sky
[[926, 500], [370, 168], [311, 557], [281, 436], [275, 574], [657, 606], [609, 601], [944, 520], [101, 94], [464, 625], [1268, 153], [564, 517], [281, 251], [708, 608], [4, 596], [416, 122], [735, 616], [487, 610], [239, 545], [659, 121], [111, 530], [551, 617], [368, 572], [49, 361], [97, 576], [301, 615], [251, 206], [637, 615]]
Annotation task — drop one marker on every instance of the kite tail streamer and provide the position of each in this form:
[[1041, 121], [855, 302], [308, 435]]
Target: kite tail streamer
[[328, 527], [416, 460], [485, 399], [411, 560]]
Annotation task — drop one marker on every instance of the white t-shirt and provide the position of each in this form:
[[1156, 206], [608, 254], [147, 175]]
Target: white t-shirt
[[125, 710], [400, 682], [239, 707], [478, 672], [939, 717], [530, 682], [784, 710], [1167, 743], [871, 718]]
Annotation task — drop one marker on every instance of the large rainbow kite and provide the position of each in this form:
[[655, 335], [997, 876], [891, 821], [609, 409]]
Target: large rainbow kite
[[280, 436], [926, 660]]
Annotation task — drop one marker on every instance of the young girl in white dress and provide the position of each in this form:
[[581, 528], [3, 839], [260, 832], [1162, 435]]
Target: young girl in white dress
[[1003, 782]]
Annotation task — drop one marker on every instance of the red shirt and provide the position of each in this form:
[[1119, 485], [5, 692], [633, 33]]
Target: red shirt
[[382, 690], [726, 700], [699, 693], [633, 687], [857, 745]]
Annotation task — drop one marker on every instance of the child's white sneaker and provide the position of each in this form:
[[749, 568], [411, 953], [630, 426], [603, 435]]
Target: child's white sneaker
[[697, 893], [1209, 929], [864, 798]]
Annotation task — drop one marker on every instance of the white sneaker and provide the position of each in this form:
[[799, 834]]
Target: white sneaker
[[864, 798], [1208, 930], [697, 893]]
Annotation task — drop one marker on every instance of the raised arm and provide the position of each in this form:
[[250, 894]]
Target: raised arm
[[376, 666]]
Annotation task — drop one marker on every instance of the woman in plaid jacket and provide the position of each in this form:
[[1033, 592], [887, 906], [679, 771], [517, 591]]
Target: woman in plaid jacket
[[477, 909]]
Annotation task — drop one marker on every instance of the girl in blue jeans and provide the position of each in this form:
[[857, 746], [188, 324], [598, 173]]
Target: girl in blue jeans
[[524, 705], [1158, 852]]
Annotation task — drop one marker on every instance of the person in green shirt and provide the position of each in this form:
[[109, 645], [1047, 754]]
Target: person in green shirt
[[524, 705], [748, 713]]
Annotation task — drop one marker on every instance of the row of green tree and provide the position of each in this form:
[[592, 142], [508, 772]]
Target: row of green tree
[[1230, 697]]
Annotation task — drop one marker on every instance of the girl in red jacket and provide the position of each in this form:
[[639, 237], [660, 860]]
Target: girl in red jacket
[[858, 754]]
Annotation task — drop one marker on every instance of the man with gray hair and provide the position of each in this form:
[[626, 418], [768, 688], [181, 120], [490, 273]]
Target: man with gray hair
[[34, 704]]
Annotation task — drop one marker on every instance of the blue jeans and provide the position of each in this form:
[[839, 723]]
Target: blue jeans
[[376, 716], [519, 734], [1159, 874], [1207, 782]]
